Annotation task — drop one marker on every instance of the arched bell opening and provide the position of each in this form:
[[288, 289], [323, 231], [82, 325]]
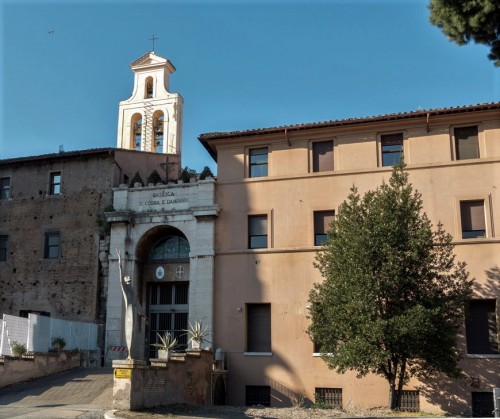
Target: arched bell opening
[[164, 255], [148, 88], [158, 129], [136, 132]]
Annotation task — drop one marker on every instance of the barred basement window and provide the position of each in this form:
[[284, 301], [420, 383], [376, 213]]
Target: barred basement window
[[483, 405], [410, 401], [258, 396], [329, 396]]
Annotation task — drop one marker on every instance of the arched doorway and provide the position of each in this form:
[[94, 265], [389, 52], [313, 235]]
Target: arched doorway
[[165, 256]]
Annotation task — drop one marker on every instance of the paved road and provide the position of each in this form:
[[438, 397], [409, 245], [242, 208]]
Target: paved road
[[83, 393]]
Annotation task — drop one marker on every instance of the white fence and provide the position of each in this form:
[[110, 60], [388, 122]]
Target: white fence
[[37, 333]]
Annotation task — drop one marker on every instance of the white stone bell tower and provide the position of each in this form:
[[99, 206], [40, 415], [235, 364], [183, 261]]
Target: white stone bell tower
[[151, 119]]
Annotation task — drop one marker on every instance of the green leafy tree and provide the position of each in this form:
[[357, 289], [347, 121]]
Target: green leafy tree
[[393, 298], [463, 21], [154, 177], [186, 174], [206, 172], [136, 179]]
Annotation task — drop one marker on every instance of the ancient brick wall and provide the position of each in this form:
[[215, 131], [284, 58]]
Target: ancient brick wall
[[66, 287]]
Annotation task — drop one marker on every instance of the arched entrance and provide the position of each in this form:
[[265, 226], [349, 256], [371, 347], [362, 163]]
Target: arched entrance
[[165, 256]]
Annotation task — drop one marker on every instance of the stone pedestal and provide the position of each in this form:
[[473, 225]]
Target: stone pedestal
[[127, 384], [186, 378]]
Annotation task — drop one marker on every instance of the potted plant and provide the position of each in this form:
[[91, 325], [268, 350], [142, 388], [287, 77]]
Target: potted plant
[[167, 343], [197, 334], [18, 349], [58, 343]]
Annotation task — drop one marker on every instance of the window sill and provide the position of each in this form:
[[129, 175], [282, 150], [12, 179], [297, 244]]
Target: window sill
[[483, 356], [482, 240], [257, 354]]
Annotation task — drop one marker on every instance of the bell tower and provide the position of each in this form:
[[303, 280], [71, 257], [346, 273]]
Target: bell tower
[[151, 119]]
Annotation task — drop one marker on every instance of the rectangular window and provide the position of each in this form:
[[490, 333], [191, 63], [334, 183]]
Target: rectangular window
[[258, 162], [3, 248], [472, 219], [392, 149], [5, 188], [410, 401], [322, 221], [258, 396], [481, 327], [55, 183], [466, 143], [258, 327], [483, 405], [257, 231], [328, 396], [51, 246], [322, 156]]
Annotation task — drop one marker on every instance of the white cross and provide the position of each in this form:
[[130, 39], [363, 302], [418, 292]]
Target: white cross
[[179, 272]]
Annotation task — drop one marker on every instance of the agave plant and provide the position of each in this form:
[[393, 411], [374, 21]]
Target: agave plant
[[167, 342], [197, 334]]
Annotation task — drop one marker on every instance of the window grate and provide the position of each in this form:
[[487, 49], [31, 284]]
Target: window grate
[[329, 396], [258, 396], [482, 404], [410, 401]]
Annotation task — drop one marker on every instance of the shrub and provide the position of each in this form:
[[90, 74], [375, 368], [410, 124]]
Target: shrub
[[18, 349]]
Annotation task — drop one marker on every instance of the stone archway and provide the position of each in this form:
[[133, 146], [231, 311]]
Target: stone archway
[[163, 253]]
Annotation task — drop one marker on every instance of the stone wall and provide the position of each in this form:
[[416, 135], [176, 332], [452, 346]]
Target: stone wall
[[183, 379], [16, 370]]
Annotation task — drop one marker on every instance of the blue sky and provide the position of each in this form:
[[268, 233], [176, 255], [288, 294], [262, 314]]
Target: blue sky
[[240, 65]]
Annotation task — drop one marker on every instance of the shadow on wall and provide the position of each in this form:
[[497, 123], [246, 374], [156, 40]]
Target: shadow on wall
[[449, 394], [284, 397], [480, 374], [491, 287]]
